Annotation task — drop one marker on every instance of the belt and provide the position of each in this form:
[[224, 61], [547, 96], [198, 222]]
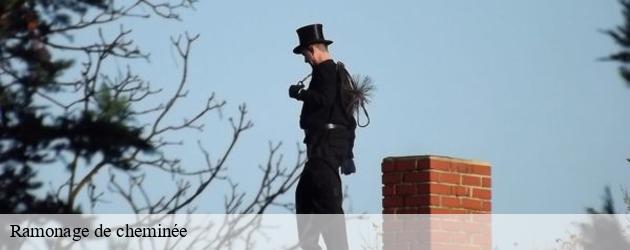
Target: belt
[[327, 126], [331, 126]]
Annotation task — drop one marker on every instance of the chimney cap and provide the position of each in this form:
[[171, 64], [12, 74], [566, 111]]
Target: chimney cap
[[437, 157]]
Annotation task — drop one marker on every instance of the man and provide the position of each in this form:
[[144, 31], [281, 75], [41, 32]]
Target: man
[[329, 138]]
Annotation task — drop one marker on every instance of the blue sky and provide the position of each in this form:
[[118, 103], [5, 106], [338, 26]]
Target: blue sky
[[513, 83]]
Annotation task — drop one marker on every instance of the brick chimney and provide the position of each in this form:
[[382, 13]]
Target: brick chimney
[[435, 185], [436, 202]]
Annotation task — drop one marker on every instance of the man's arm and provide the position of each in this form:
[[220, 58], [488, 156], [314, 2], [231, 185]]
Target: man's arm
[[322, 92]]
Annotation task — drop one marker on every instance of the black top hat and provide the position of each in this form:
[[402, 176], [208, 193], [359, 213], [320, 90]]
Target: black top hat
[[310, 34]]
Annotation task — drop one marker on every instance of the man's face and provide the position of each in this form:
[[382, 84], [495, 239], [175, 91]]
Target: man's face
[[308, 56]]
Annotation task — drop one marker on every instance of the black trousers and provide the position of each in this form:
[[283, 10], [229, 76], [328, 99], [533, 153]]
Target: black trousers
[[319, 193]]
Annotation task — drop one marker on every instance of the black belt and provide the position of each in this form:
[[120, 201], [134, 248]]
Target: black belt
[[327, 126], [331, 126]]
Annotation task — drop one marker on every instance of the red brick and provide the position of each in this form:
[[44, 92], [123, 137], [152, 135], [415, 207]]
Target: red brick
[[487, 206], [388, 166], [422, 177], [433, 188], [471, 180], [449, 178], [450, 202], [479, 212], [392, 178], [461, 167], [486, 182], [424, 188], [481, 170], [434, 200], [403, 189], [394, 201], [461, 191], [416, 201], [423, 163], [422, 200], [445, 211], [415, 177], [472, 204], [388, 190], [440, 165], [433, 176], [482, 193], [406, 164], [424, 210]]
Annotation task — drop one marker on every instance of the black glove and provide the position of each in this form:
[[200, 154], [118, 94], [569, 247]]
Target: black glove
[[347, 166], [294, 91]]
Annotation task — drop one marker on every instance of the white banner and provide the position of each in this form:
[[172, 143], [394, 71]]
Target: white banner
[[288, 231]]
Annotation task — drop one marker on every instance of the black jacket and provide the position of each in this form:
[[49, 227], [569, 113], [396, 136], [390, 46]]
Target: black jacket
[[322, 104]]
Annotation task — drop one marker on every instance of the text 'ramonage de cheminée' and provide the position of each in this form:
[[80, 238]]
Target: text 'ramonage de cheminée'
[[76, 233]]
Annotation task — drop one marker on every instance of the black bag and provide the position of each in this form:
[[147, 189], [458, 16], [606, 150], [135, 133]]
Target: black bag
[[354, 92]]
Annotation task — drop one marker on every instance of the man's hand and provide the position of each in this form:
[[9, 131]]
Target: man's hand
[[295, 90]]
